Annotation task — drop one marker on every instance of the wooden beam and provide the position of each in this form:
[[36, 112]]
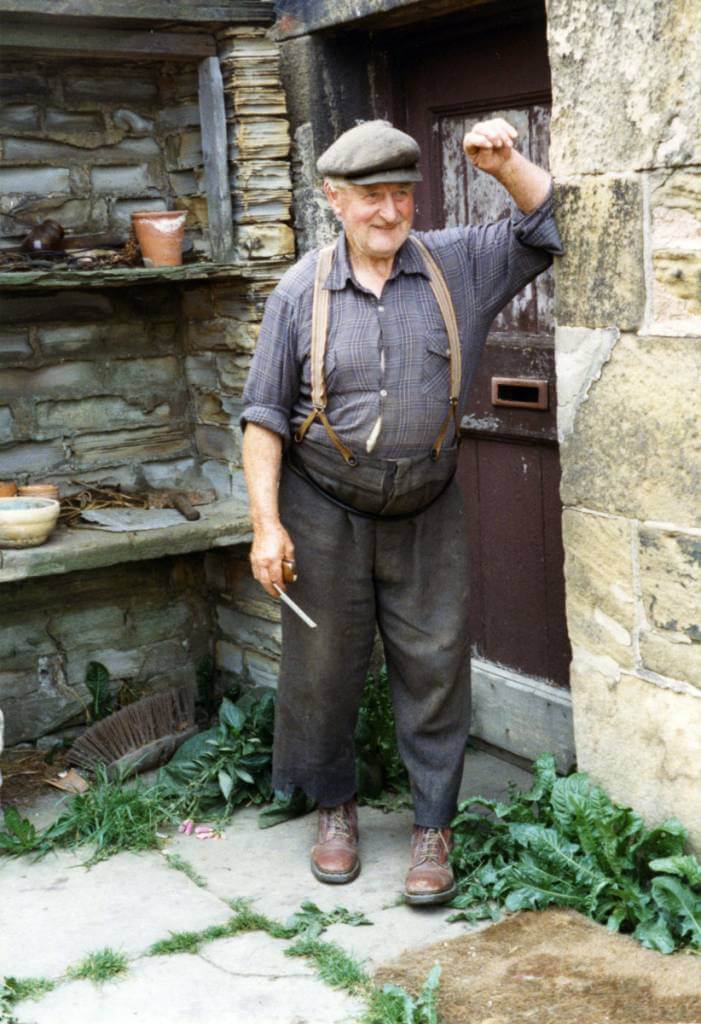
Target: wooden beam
[[216, 159], [103, 43], [301, 17], [227, 11]]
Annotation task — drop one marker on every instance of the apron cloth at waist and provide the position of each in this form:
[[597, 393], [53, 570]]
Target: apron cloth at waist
[[375, 487]]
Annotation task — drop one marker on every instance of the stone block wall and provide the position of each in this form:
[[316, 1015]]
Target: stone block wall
[[88, 143], [93, 386], [148, 623], [625, 152], [221, 320], [141, 384], [247, 631]]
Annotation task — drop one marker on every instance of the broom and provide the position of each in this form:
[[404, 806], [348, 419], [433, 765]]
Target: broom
[[141, 736]]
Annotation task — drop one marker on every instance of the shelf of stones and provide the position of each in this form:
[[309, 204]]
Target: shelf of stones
[[114, 277], [223, 523]]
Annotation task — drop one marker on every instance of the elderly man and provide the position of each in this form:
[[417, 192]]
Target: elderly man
[[351, 417]]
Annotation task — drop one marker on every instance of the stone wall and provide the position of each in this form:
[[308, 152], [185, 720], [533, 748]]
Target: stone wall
[[92, 386], [88, 143], [625, 150], [140, 385], [148, 624], [247, 633]]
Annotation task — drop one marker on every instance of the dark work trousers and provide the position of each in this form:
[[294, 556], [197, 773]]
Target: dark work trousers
[[409, 576]]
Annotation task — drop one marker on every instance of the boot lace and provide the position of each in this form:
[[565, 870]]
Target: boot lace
[[431, 846], [337, 822]]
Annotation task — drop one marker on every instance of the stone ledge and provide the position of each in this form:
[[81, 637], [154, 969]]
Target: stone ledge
[[269, 267], [223, 523]]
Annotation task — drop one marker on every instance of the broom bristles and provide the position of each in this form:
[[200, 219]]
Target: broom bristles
[[135, 726]]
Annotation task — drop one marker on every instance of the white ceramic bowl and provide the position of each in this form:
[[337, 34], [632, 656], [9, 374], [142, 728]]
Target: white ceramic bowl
[[26, 522]]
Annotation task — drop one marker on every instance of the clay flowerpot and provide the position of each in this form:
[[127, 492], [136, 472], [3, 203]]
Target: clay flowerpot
[[8, 488], [26, 522], [38, 491], [160, 236]]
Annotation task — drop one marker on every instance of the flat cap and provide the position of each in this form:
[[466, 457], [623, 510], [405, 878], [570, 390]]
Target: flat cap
[[373, 151]]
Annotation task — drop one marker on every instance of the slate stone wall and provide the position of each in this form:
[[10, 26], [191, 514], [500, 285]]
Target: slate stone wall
[[148, 624], [625, 152], [248, 633], [89, 143], [138, 385], [92, 386]]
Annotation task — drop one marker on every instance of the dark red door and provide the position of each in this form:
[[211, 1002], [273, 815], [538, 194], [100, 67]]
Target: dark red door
[[509, 466]]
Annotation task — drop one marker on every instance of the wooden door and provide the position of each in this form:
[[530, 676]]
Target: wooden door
[[509, 467]]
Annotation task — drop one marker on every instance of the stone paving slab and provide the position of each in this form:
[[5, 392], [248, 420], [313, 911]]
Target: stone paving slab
[[395, 930], [271, 866], [55, 911], [185, 988], [256, 954]]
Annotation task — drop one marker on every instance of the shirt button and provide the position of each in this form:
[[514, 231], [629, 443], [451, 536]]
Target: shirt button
[[380, 309], [383, 393]]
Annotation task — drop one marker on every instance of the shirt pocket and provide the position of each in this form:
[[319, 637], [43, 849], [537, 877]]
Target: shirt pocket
[[435, 380]]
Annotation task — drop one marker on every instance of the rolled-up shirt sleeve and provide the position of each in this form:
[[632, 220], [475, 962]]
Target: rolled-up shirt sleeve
[[273, 380], [511, 252]]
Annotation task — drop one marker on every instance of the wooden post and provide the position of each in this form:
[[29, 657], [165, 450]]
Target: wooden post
[[216, 160]]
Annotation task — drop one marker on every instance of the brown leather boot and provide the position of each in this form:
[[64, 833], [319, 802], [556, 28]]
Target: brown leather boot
[[430, 878], [335, 855]]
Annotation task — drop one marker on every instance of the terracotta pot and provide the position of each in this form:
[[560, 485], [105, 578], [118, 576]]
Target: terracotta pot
[[8, 488], [160, 236], [26, 522], [38, 491]]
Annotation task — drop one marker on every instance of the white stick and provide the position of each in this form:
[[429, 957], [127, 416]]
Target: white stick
[[295, 607]]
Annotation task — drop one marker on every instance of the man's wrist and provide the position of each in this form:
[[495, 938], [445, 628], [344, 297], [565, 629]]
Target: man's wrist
[[528, 184]]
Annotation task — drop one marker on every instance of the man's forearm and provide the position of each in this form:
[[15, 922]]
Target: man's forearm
[[527, 183], [262, 456]]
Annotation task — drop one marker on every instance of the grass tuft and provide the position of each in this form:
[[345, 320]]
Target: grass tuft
[[179, 942], [247, 920], [14, 990], [112, 817], [99, 966], [180, 864], [336, 967]]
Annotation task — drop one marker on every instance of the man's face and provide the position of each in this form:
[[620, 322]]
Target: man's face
[[376, 218]]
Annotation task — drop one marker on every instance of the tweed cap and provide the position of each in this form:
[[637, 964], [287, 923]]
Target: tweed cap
[[373, 151]]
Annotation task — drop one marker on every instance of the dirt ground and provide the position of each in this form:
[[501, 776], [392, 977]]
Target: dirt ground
[[24, 774], [551, 966]]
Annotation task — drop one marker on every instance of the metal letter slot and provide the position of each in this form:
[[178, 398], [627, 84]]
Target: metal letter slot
[[520, 392]]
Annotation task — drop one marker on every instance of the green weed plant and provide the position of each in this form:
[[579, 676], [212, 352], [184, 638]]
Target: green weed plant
[[564, 842], [380, 770], [179, 863], [110, 816], [392, 1004], [14, 990], [101, 966], [229, 765]]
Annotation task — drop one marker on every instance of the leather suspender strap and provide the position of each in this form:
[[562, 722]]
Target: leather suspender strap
[[320, 326], [445, 304], [320, 323]]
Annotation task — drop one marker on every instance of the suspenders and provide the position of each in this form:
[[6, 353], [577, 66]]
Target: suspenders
[[320, 323]]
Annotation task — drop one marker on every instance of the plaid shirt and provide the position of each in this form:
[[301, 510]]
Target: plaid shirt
[[389, 357]]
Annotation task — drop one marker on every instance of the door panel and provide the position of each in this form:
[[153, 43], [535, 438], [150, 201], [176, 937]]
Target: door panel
[[509, 468], [469, 196]]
